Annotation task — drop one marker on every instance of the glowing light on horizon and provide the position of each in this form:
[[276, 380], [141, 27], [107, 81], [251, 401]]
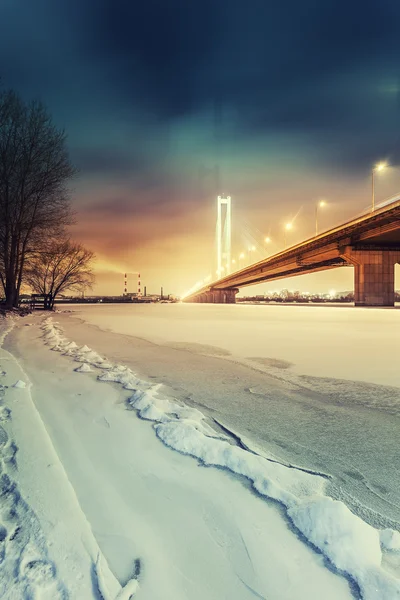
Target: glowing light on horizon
[[197, 286]]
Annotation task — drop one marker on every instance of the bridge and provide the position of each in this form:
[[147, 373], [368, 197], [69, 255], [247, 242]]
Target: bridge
[[370, 244]]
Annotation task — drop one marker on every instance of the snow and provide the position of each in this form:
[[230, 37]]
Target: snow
[[20, 384], [191, 532], [340, 427], [350, 544], [47, 549], [390, 540], [84, 368]]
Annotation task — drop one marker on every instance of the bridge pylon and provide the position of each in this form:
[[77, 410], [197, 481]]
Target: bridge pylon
[[224, 235]]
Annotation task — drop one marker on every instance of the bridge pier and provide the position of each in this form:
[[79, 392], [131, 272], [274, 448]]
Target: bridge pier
[[227, 296], [373, 275]]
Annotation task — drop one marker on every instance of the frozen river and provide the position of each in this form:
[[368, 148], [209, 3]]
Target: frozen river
[[189, 452], [318, 387]]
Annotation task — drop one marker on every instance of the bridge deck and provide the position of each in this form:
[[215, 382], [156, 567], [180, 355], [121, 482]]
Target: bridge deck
[[376, 231]]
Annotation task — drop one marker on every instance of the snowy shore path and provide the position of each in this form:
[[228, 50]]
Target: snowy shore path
[[47, 550], [185, 531]]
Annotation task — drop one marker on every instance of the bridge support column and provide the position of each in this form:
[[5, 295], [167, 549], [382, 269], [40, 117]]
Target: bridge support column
[[224, 296], [373, 275]]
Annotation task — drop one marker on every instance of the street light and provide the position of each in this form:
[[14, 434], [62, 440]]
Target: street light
[[319, 204], [288, 227], [378, 167]]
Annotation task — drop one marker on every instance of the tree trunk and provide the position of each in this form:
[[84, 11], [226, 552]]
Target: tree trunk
[[11, 294], [49, 302]]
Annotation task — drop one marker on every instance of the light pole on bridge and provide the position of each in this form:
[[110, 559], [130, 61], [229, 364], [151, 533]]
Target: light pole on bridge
[[378, 167], [288, 227], [319, 204]]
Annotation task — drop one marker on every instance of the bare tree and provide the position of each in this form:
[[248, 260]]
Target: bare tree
[[34, 171], [62, 266]]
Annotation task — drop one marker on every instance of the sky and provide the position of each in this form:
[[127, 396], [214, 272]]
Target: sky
[[168, 103]]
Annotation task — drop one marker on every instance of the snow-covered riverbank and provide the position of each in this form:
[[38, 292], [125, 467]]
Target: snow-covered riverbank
[[159, 519], [47, 548]]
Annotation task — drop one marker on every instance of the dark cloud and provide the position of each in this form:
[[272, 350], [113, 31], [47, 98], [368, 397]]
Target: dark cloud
[[275, 66], [155, 93], [109, 162]]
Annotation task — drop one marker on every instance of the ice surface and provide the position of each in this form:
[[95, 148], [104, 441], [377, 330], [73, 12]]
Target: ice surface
[[317, 340], [329, 410]]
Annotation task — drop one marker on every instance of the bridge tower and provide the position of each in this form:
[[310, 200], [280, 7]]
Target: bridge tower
[[224, 234]]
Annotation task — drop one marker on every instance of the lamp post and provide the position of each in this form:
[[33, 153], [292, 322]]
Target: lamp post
[[288, 227], [378, 167], [319, 204]]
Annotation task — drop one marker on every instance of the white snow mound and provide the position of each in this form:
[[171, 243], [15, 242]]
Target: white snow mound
[[20, 384], [84, 368]]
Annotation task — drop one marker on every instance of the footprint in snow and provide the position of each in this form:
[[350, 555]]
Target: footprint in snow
[[9, 453], [39, 572], [10, 499], [3, 537], [3, 439], [5, 413]]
